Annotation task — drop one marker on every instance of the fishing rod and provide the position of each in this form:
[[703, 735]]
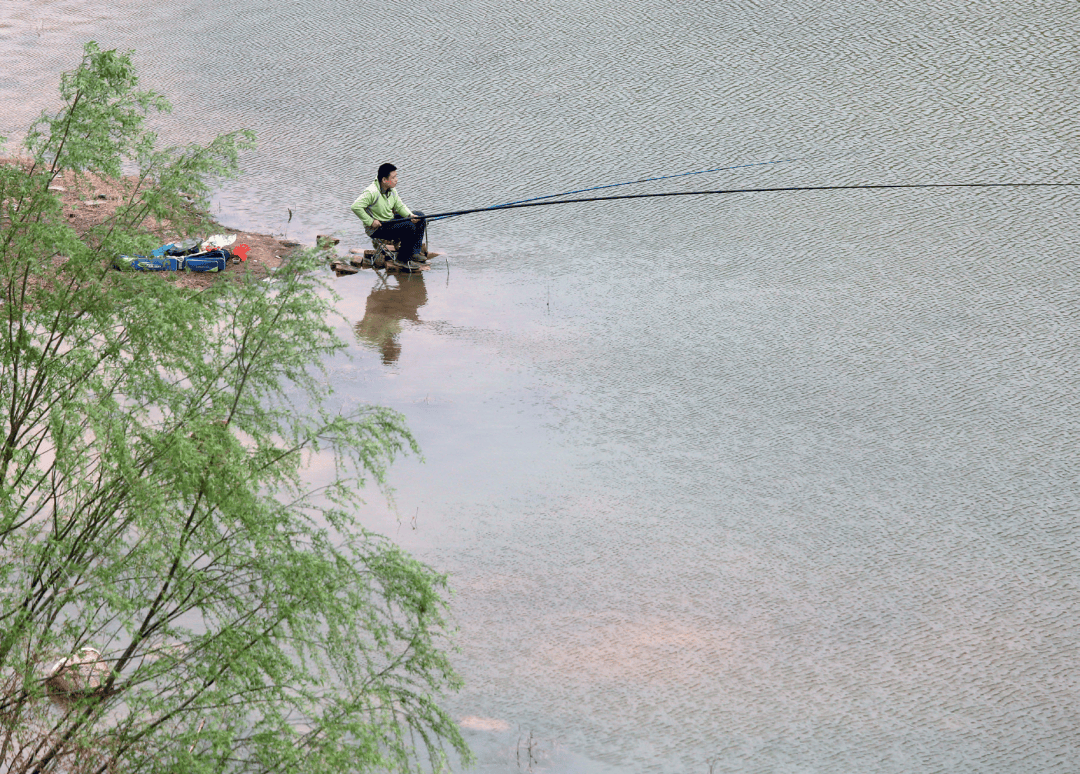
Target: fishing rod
[[645, 180], [870, 186], [616, 185]]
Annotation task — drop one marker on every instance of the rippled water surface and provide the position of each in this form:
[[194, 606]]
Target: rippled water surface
[[763, 483]]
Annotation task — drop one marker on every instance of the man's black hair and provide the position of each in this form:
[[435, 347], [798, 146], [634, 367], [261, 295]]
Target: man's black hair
[[385, 170]]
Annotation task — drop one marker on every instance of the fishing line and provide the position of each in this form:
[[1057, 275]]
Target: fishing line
[[872, 186], [645, 180]]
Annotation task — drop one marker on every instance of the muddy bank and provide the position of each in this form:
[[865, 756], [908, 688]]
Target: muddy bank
[[89, 201]]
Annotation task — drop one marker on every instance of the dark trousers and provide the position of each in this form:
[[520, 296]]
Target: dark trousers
[[409, 235]]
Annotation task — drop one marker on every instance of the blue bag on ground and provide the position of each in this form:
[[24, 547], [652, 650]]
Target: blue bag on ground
[[211, 260], [188, 247], [148, 263]]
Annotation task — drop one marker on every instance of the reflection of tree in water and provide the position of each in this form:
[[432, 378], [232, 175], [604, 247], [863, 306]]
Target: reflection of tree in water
[[387, 306]]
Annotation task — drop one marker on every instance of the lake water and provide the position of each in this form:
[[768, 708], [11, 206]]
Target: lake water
[[761, 483]]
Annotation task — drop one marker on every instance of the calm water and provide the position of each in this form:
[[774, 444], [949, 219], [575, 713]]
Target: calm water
[[770, 483]]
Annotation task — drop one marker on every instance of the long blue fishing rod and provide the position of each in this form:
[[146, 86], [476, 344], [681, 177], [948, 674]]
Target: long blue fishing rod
[[631, 182], [879, 186]]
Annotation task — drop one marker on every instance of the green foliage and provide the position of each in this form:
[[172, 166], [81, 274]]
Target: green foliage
[[156, 529]]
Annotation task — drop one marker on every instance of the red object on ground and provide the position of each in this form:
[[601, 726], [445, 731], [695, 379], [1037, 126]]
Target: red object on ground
[[241, 251]]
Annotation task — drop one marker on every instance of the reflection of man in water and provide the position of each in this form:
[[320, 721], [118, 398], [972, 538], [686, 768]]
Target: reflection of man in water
[[387, 306]]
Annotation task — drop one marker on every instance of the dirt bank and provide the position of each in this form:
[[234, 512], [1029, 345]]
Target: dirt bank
[[90, 201]]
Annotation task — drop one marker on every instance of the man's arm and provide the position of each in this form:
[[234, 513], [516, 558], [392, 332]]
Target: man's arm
[[360, 208]]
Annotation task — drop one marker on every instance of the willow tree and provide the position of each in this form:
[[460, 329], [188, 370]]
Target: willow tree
[[173, 596]]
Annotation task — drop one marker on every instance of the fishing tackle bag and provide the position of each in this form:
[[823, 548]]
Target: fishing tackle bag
[[148, 263], [211, 260]]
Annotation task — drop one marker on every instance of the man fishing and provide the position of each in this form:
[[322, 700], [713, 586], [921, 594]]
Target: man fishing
[[380, 202]]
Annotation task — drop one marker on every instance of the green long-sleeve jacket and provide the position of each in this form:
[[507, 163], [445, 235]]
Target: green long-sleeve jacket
[[374, 204]]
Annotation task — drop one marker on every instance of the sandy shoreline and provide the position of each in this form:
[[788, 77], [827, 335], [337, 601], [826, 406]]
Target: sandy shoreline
[[90, 201]]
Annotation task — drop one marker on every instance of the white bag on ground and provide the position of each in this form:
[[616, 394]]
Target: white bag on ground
[[218, 240]]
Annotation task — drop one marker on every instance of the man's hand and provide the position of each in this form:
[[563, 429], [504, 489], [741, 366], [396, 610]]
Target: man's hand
[[415, 219], [375, 223]]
